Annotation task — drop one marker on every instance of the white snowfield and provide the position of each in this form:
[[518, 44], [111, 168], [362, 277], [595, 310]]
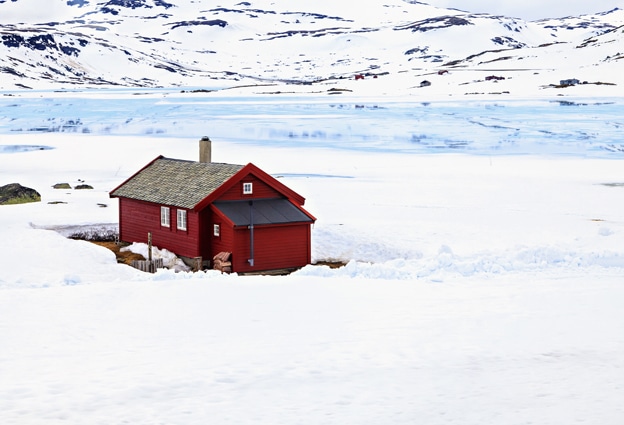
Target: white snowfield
[[479, 289]]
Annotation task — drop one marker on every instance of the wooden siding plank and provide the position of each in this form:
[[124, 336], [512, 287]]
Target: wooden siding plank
[[275, 247], [138, 218], [260, 190]]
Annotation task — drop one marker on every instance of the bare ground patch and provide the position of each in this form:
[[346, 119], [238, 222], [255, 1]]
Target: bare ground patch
[[123, 257]]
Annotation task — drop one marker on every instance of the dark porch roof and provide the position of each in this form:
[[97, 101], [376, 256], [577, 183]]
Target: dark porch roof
[[265, 211]]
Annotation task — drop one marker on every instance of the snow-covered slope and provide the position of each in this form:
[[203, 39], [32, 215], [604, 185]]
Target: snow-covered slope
[[149, 43]]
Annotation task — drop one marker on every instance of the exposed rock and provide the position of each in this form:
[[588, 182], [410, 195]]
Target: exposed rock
[[15, 193], [62, 186], [83, 186], [38, 42], [435, 23], [213, 22]]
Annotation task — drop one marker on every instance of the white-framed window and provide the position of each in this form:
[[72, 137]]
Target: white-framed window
[[165, 217], [247, 188], [216, 230], [181, 219]]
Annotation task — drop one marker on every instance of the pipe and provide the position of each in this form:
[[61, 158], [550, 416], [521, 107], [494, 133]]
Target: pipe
[[251, 234]]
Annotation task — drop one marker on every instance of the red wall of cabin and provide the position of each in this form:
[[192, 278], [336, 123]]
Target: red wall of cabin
[[260, 190], [138, 218], [275, 247], [224, 242]]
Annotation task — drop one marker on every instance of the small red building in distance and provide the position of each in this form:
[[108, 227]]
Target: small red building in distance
[[199, 209]]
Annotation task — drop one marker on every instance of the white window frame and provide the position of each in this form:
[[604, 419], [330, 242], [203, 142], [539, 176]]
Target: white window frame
[[181, 219], [247, 188], [216, 230], [165, 217]]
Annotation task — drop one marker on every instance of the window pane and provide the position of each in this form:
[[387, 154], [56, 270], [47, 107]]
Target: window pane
[[181, 219], [164, 216]]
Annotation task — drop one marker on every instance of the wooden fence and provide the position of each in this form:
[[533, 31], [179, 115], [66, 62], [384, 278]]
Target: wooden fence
[[149, 266]]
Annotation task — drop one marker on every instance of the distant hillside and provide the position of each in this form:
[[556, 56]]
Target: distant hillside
[[155, 43]]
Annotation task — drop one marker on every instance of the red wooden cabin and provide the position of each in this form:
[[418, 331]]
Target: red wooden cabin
[[198, 209]]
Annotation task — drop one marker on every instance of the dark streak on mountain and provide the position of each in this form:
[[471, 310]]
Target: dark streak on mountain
[[7, 70], [317, 16], [509, 42], [305, 33], [135, 4], [247, 11], [40, 42], [214, 22], [436, 23]]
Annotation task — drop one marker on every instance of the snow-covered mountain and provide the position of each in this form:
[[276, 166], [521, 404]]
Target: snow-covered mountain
[[197, 43]]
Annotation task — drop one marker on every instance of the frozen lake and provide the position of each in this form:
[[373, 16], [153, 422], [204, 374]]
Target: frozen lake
[[582, 128]]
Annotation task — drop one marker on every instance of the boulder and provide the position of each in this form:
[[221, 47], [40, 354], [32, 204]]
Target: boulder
[[83, 187], [15, 193]]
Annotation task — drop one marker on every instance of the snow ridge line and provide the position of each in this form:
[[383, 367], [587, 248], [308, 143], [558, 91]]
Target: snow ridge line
[[447, 264]]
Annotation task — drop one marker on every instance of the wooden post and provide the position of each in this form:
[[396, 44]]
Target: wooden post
[[149, 246]]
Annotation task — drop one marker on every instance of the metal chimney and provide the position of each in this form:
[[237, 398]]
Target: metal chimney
[[205, 150]]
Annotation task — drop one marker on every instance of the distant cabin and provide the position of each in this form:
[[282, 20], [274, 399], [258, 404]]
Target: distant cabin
[[201, 209]]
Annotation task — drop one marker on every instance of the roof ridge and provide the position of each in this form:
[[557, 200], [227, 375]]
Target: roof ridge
[[190, 161]]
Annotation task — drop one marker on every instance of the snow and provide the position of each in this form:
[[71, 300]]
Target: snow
[[282, 350], [170, 260], [483, 283]]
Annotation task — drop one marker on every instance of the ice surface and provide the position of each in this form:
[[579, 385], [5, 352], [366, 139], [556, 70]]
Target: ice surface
[[578, 126]]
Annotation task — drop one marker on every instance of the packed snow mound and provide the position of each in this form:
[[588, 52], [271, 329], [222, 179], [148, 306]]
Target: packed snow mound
[[44, 258], [70, 262], [170, 260]]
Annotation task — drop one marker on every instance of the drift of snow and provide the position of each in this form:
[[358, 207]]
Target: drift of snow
[[479, 288]]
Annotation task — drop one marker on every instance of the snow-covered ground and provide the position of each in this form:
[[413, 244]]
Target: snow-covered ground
[[484, 285]]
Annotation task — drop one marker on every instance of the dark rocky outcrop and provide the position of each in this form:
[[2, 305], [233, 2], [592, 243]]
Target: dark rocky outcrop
[[40, 42], [213, 22], [83, 187], [15, 193]]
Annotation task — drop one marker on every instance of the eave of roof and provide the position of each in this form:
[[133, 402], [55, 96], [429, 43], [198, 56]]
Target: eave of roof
[[265, 211]]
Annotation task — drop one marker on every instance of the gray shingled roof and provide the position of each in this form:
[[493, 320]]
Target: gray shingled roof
[[176, 182], [265, 211]]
